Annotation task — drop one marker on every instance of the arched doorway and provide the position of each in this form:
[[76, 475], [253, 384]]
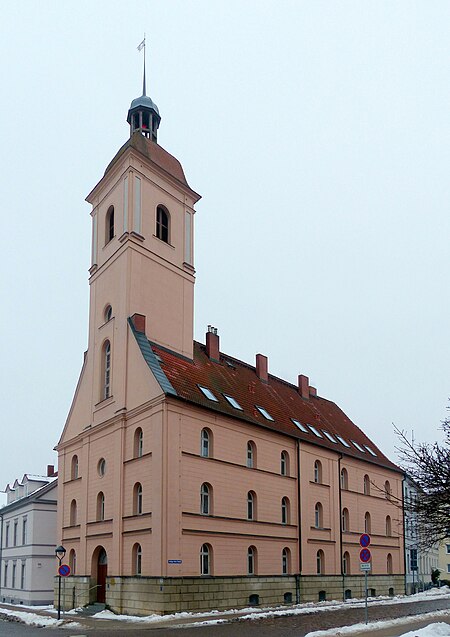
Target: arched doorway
[[102, 571]]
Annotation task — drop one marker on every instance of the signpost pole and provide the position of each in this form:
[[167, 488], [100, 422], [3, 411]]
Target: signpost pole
[[365, 585]]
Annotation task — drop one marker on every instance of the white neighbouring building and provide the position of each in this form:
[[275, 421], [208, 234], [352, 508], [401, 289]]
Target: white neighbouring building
[[28, 540]]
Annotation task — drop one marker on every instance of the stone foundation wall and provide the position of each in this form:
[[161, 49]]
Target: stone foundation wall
[[337, 587], [74, 592]]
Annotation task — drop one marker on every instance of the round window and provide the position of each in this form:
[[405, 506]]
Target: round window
[[101, 467]]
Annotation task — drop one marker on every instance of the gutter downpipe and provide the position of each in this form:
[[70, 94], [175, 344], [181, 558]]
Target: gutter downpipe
[[299, 533], [404, 535], [340, 526]]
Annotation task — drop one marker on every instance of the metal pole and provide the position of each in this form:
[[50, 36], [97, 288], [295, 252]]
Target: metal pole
[[59, 594], [365, 584]]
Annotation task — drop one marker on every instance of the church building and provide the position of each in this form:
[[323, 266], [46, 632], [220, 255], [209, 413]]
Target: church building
[[188, 479]]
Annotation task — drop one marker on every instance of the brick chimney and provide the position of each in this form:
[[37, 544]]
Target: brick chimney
[[312, 391], [212, 344], [303, 386], [138, 321], [262, 367], [50, 470]]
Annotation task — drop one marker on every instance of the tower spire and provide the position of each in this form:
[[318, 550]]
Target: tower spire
[[143, 114], [140, 47]]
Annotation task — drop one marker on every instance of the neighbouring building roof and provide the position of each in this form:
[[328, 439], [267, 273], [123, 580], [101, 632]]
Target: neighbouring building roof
[[30, 497], [181, 377]]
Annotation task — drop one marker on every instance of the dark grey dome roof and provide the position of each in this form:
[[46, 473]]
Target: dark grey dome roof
[[143, 101]]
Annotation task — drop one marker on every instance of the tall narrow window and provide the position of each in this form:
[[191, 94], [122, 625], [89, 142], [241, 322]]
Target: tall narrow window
[[366, 485], [344, 479], [367, 523], [251, 454], [137, 493], [318, 472], [137, 559], [205, 499], [73, 562], [138, 443], [15, 533], [205, 443], [5, 575], [107, 315], [318, 516], [387, 490], [251, 560], [106, 370], [346, 563], [320, 562], [389, 564], [22, 576], [109, 225], [100, 506], [162, 224], [251, 505], [285, 561], [74, 468], [13, 582], [205, 560], [285, 510], [284, 463], [388, 526], [24, 530], [7, 536], [345, 520]]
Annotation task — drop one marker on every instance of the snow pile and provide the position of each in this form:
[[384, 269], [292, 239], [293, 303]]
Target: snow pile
[[32, 619], [432, 630]]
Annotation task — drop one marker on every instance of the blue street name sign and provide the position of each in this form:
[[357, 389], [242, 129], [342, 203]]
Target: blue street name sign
[[174, 561]]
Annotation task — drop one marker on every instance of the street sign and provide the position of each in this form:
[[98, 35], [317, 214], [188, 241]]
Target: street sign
[[365, 566], [64, 570], [174, 561], [365, 555], [364, 540]]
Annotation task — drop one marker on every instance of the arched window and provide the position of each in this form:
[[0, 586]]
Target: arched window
[[137, 499], [366, 485], [389, 564], [388, 526], [318, 516], [206, 560], [73, 562], [74, 468], [318, 472], [251, 505], [206, 499], [109, 225], [137, 559], [344, 479], [387, 490], [162, 224], [206, 443], [73, 513], [284, 463], [100, 506], [251, 560], [346, 563], [345, 520], [285, 510], [286, 561], [251, 454], [320, 562], [367, 523], [108, 313], [106, 370], [138, 443]]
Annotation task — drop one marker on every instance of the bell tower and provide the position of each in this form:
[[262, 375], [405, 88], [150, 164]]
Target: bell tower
[[143, 114]]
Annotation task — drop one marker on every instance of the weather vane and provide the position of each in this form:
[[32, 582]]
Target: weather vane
[[139, 48]]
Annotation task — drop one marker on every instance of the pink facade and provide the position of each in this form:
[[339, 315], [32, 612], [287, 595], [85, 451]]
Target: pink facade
[[159, 481]]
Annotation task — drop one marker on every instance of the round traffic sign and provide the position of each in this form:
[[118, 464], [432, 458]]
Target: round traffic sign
[[64, 570], [364, 540], [365, 555]]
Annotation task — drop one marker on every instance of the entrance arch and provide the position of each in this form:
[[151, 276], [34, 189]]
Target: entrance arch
[[100, 569]]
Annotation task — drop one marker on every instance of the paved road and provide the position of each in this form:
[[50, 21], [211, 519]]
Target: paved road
[[295, 626]]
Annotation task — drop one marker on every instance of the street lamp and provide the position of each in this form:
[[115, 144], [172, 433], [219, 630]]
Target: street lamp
[[60, 552]]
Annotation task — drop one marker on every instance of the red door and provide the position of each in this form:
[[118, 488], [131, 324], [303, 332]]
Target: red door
[[102, 571]]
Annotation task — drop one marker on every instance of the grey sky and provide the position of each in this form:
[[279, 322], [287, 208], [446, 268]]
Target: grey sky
[[318, 135]]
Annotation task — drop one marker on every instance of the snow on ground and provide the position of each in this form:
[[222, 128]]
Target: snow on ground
[[32, 619]]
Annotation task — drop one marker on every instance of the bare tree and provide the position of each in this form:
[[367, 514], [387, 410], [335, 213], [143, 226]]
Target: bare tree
[[429, 467]]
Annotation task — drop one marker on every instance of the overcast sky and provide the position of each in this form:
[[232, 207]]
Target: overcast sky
[[318, 135]]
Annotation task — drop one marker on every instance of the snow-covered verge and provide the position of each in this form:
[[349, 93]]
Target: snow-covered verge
[[435, 629], [32, 619]]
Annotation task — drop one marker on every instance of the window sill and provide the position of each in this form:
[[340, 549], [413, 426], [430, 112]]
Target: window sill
[[104, 403], [166, 243]]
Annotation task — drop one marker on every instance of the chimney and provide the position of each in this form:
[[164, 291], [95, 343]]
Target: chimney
[[312, 391], [138, 321], [50, 470], [303, 386], [261, 367], [212, 343]]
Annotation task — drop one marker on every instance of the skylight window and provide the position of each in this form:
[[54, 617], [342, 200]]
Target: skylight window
[[233, 402], [329, 436], [265, 413], [208, 393], [298, 424], [315, 432], [371, 451], [343, 441], [358, 446]]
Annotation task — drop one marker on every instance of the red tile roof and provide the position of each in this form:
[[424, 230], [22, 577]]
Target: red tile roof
[[278, 397]]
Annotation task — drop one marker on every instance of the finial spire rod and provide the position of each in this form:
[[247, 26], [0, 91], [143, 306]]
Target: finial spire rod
[[140, 47]]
